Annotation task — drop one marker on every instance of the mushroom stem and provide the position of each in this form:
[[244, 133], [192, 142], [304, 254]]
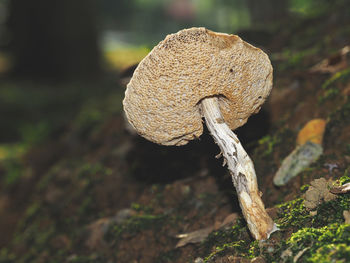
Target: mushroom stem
[[241, 169]]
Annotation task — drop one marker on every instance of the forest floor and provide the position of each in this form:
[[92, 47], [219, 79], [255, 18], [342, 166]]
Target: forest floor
[[78, 187]]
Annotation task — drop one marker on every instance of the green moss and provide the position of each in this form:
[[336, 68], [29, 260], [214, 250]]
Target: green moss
[[233, 248], [296, 58], [327, 244], [268, 144], [304, 188], [227, 240], [94, 258], [293, 214], [346, 177], [332, 211], [254, 249], [338, 119], [135, 225], [168, 256], [6, 256], [328, 94], [331, 85], [341, 76]]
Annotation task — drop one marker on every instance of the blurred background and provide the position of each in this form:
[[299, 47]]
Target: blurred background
[[55, 54]]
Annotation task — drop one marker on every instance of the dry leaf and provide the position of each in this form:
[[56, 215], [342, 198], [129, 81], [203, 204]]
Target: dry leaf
[[193, 237], [341, 189], [312, 131], [201, 234], [297, 161], [318, 192]]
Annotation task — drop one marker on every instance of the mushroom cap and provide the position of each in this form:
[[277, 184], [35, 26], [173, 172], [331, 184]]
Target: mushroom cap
[[162, 100]]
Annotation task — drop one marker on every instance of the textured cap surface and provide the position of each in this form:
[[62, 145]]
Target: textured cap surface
[[162, 98]]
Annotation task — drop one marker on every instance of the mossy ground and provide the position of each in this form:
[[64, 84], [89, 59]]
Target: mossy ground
[[77, 187]]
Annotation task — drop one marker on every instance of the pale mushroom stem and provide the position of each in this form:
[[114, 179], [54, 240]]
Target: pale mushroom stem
[[241, 169]]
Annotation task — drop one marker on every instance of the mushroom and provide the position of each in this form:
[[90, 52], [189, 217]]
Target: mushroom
[[198, 73]]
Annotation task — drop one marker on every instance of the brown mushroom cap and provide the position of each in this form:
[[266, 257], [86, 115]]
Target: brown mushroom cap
[[162, 98]]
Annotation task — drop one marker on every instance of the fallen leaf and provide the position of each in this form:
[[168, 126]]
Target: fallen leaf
[[312, 131], [193, 237], [201, 234], [297, 161], [341, 189], [318, 192]]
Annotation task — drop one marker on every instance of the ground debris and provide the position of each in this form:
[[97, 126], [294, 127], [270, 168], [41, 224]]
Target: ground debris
[[297, 161], [193, 237], [346, 215], [201, 234], [308, 150], [334, 63], [318, 192], [341, 189], [98, 229]]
